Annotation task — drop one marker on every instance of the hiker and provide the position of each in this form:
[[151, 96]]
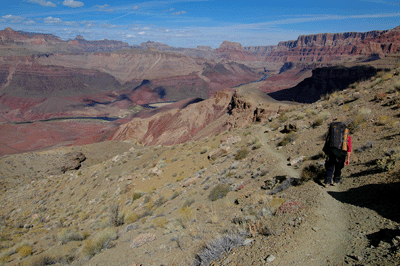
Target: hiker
[[338, 150]]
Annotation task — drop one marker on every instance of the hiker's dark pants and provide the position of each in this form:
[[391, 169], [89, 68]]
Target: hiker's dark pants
[[333, 166]]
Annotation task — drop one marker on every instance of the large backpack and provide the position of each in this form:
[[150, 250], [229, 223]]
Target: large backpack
[[337, 139]]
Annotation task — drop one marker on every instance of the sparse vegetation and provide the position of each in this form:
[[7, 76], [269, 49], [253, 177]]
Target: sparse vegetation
[[67, 234], [214, 249], [241, 154], [358, 119], [219, 191], [312, 172], [114, 216], [101, 241], [25, 251], [288, 138]]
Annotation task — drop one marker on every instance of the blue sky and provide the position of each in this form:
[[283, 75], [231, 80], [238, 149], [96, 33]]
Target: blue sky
[[188, 23]]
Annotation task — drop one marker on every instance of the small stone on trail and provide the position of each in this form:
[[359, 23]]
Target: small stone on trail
[[248, 241], [270, 258], [316, 229]]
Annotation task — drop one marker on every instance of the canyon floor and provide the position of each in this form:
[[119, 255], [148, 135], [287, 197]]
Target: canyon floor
[[249, 196]]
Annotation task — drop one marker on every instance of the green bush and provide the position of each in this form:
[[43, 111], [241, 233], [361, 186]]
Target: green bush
[[219, 191]]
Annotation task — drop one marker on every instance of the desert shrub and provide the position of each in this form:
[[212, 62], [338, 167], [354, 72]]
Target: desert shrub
[[176, 194], [101, 241], [161, 222], [358, 118], [49, 260], [388, 162], [185, 215], [131, 217], [219, 191], [312, 172], [204, 150], [241, 154], [25, 251], [188, 202], [382, 120], [253, 141], [160, 201], [321, 118], [4, 258], [216, 248], [114, 217], [146, 199], [300, 116], [66, 235], [247, 133], [375, 82], [287, 139]]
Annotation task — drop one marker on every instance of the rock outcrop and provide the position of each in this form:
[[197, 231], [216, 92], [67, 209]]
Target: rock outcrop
[[222, 112]]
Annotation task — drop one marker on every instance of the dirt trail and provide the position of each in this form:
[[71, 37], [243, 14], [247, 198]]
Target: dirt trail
[[324, 240]]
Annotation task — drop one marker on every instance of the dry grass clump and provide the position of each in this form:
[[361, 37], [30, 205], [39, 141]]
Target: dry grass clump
[[241, 154], [382, 120], [114, 217], [287, 139], [185, 214], [101, 241], [25, 251], [358, 119], [219, 191], [161, 222], [136, 195], [312, 172], [321, 118], [5, 255], [66, 235], [255, 143], [388, 162], [131, 217], [216, 248]]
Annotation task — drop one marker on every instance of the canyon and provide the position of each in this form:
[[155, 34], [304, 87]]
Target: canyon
[[52, 91]]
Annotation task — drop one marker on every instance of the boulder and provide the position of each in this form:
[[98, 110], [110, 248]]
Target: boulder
[[72, 161], [223, 151]]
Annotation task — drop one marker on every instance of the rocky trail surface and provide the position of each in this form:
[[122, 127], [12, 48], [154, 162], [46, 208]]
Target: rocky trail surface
[[332, 229]]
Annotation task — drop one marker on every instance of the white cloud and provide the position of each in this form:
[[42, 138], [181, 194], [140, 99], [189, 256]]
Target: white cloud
[[13, 19], [104, 8], [179, 13], [141, 32], [44, 3], [73, 3], [135, 7], [109, 26], [29, 22], [88, 24], [51, 20]]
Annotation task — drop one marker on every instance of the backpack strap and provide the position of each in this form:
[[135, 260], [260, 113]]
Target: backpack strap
[[345, 146]]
